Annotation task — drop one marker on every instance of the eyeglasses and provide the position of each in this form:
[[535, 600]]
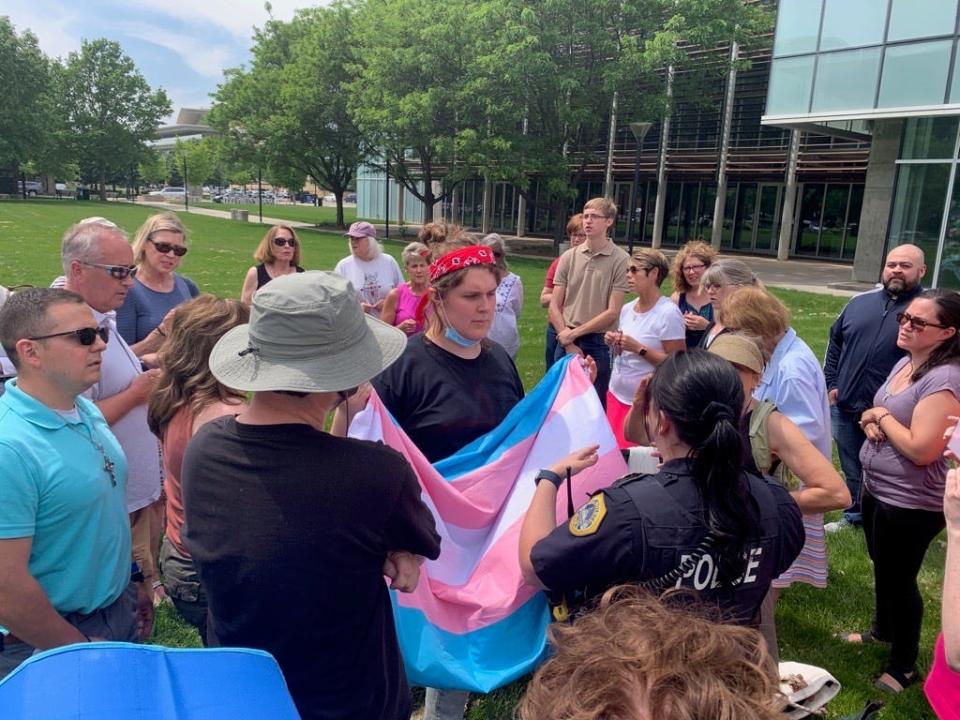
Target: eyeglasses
[[691, 268], [84, 336], [118, 272], [164, 247], [918, 323], [280, 242]]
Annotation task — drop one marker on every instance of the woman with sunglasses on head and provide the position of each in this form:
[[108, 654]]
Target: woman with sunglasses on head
[[158, 248], [904, 474], [277, 254], [650, 329], [694, 302], [509, 299], [186, 397]]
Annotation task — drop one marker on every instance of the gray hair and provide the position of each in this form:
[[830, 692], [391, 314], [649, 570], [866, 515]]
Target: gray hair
[[374, 245], [80, 240], [26, 314], [728, 272], [499, 247], [415, 250]]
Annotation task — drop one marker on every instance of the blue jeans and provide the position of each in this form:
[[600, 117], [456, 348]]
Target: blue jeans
[[849, 438], [594, 346], [549, 356]]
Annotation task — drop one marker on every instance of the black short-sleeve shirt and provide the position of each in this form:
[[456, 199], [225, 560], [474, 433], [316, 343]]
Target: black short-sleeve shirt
[[648, 524], [443, 402], [289, 529]]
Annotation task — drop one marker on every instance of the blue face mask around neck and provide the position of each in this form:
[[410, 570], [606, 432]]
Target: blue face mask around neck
[[458, 339]]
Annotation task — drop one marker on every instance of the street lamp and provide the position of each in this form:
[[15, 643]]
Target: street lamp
[[639, 130]]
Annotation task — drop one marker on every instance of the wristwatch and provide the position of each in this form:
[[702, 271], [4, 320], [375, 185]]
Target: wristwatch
[[549, 476], [642, 351]]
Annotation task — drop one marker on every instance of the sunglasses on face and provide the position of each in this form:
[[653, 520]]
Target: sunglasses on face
[[118, 272], [164, 247], [281, 241], [84, 336], [918, 323]]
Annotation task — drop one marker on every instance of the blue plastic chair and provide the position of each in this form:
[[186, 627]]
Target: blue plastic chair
[[132, 682]]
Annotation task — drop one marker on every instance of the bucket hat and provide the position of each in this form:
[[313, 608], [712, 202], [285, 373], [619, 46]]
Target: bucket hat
[[738, 350], [307, 333]]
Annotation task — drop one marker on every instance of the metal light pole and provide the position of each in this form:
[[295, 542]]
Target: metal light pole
[[186, 185], [260, 190], [639, 130], [386, 195]]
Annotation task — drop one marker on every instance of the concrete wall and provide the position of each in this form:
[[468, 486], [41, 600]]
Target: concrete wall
[[877, 200]]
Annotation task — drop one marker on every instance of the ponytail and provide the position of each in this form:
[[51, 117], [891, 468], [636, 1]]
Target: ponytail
[[702, 395]]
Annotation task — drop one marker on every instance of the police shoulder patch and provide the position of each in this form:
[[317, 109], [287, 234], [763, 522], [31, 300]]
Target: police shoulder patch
[[587, 519]]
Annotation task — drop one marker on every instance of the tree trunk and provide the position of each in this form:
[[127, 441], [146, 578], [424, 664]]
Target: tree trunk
[[339, 196], [103, 185]]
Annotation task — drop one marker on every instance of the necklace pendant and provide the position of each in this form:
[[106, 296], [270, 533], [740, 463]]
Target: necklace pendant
[[109, 466]]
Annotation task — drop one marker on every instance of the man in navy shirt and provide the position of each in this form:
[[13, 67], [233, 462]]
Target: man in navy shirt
[[860, 354]]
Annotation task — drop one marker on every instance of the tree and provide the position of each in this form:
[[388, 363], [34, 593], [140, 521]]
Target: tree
[[196, 158], [410, 95], [287, 114], [25, 86], [110, 110], [152, 169], [548, 72]]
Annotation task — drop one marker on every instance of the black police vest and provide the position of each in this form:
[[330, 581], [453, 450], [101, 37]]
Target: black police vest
[[673, 534]]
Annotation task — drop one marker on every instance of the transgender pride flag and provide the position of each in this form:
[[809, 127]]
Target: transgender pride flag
[[473, 623]]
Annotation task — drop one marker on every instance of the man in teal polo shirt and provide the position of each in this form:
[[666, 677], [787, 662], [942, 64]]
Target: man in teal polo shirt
[[64, 532]]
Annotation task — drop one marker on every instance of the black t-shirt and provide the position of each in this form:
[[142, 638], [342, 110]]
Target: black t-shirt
[[641, 528], [443, 402], [289, 529]]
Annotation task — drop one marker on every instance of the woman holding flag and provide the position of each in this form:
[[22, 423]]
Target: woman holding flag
[[452, 385]]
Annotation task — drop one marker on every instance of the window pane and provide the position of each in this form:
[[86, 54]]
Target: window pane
[[851, 23], [921, 18], [708, 201], [790, 83], [834, 215], [846, 80], [853, 223], [743, 223], [729, 207], [918, 206], [915, 74], [955, 84], [809, 225], [767, 219], [797, 26], [671, 211], [949, 276], [929, 138]]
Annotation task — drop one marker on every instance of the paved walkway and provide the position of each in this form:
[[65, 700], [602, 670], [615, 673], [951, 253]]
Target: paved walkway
[[814, 276]]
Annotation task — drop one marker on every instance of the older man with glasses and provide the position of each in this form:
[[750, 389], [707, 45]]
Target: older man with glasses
[[64, 534], [98, 265]]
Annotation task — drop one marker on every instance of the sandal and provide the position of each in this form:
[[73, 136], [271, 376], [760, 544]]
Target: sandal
[[863, 637], [896, 682]]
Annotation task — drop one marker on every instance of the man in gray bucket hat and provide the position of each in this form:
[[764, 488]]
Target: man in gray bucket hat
[[292, 529]]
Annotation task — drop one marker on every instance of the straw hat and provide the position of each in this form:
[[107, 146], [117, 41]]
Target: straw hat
[[739, 350]]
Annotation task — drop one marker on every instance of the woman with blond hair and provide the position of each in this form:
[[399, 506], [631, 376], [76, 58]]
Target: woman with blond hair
[[186, 397], [689, 265], [637, 657], [400, 305], [158, 247], [278, 254]]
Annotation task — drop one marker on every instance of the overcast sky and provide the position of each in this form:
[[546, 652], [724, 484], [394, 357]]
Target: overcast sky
[[179, 45]]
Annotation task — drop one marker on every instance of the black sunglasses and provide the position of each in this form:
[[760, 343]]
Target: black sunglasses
[[280, 242], [918, 324], [118, 272], [164, 247], [84, 336]]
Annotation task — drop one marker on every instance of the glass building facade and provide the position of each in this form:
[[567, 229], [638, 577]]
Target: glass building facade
[[866, 57]]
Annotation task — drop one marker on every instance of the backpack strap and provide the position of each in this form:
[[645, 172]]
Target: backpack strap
[[760, 436]]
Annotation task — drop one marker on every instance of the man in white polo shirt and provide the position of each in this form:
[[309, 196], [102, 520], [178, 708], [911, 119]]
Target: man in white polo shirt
[[98, 266]]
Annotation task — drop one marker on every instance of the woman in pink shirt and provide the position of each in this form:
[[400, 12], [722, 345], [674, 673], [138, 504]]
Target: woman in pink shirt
[[400, 305], [187, 396]]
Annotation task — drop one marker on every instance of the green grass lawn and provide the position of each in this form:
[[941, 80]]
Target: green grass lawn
[[326, 215], [220, 253]]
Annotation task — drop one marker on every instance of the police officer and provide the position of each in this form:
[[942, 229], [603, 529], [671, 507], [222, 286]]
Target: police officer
[[700, 523]]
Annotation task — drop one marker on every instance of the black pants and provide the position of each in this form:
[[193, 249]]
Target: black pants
[[897, 539]]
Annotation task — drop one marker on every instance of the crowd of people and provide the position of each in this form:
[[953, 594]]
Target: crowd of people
[[197, 448]]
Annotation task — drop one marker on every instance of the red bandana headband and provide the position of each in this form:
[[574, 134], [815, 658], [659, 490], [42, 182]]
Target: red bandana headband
[[460, 259], [456, 260]]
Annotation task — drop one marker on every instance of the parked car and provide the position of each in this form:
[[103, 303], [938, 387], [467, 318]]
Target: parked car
[[170, 193], [34, 187]]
